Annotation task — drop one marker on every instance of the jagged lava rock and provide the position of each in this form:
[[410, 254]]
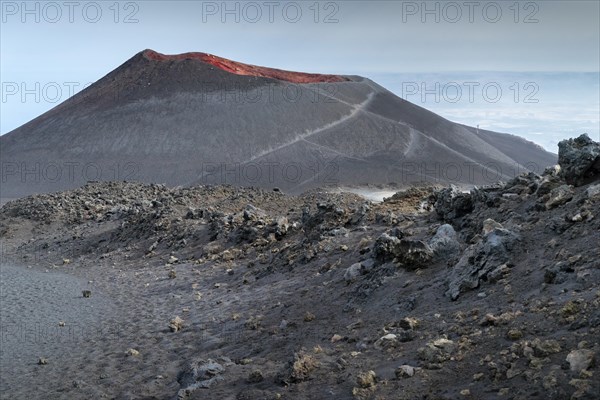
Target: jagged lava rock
[[579, 160], [445, 242], [480, 260]]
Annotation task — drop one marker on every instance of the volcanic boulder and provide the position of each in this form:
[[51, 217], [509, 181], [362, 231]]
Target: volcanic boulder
[[579, 160], [445, 242], [452, 203], [481, 260], [410, 254]]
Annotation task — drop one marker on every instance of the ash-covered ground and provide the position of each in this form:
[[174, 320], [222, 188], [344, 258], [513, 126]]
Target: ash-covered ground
[[232, 293]]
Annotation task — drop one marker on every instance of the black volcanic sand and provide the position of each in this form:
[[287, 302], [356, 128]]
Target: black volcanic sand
[[267, 300], [35, 304]]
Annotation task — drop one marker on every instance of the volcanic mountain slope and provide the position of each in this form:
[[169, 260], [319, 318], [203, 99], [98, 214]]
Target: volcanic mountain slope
[[197, 118]]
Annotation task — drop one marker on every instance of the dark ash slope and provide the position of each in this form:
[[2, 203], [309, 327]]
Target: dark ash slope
[[187, 119]]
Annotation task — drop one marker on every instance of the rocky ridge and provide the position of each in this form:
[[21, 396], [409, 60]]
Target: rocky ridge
[[431, 294]]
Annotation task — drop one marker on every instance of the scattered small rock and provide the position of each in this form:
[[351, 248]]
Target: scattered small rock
[[514, 334], [300, 368], [308, 316], [255, 376], [414, 254], [580, 360], [387, 341], [593, 191], [478, 376], [176, 324], [489, 225], [357, 269], [199, 374], [408, 323], [172, 260], [405, 371], [352, 272], [132, 352], [437, 351], [543, 348], [336, 338], [366, 379], [559, 196]]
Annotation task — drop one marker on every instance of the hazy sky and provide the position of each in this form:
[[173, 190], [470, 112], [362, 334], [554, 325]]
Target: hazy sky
[[50, 49]]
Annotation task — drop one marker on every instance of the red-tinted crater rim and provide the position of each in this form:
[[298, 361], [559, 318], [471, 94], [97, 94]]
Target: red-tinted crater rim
[[246, 69]]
